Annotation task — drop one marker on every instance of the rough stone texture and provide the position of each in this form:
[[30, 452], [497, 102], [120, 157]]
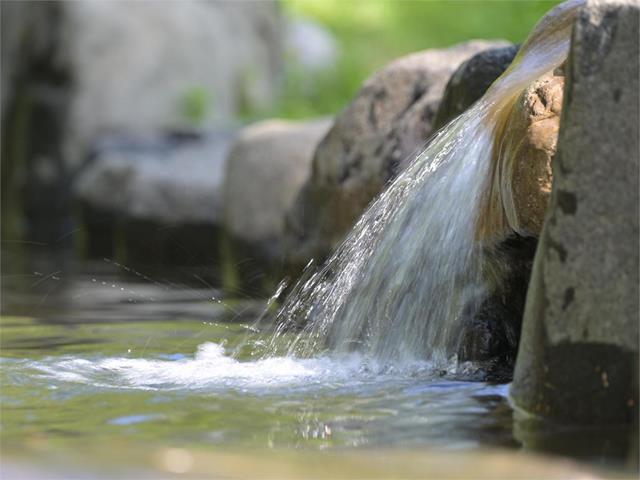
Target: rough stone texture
[[389, 119], [164, 180], [511, 223], [527, 159], [578, 356], [522, 178], [471, 80], [267, 166]]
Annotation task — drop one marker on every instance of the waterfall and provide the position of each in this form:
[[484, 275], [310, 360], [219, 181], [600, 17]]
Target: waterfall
[[399, 286]]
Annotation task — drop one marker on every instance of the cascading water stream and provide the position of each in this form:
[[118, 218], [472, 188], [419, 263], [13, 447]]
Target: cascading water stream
[[397, 287], [362, 364], [389, 305]]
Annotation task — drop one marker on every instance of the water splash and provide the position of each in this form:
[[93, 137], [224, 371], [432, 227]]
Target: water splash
[[395, 291], [211, 369], [399, 286]]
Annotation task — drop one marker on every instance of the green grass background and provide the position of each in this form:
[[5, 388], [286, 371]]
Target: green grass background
[[371, 33]]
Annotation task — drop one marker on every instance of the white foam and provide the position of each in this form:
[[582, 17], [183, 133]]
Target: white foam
[[211, 369]]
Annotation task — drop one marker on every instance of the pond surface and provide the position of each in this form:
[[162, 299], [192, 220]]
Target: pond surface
[[95, 354]]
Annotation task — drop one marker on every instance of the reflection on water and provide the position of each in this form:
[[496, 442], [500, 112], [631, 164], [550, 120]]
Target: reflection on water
[[93, 354]]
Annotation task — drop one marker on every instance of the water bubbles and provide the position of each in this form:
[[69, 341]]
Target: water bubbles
[[212, 369]]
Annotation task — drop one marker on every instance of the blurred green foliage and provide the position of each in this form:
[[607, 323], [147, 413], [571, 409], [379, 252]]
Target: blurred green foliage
[[371, 33], [196, 104]]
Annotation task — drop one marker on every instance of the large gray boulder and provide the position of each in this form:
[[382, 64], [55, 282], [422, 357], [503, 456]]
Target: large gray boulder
[[140, 67], [267, 166], [153, 196], [370, 141], [73, 72], [169, 182], [578, 355], [145, 66]]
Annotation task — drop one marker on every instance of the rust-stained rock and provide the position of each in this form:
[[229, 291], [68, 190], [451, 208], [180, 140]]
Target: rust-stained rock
[[525, 143], [527, 154], [511, 221]]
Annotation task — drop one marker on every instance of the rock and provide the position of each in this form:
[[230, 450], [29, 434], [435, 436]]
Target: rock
[[520, 192], [143, 67], [162, 180], [526, 154], [46, 199], [126, 69], [208, 61], [471, 80], [30, 34], [511, 224], [527, 140], [578, 357], [267, 166], [152, 184], [493, 319], [13, 17], [309, 46], [390, 117], [35, 100]]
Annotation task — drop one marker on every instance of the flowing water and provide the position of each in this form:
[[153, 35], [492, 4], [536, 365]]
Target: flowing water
[[396, 289], [105, 371], [97, 354]]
